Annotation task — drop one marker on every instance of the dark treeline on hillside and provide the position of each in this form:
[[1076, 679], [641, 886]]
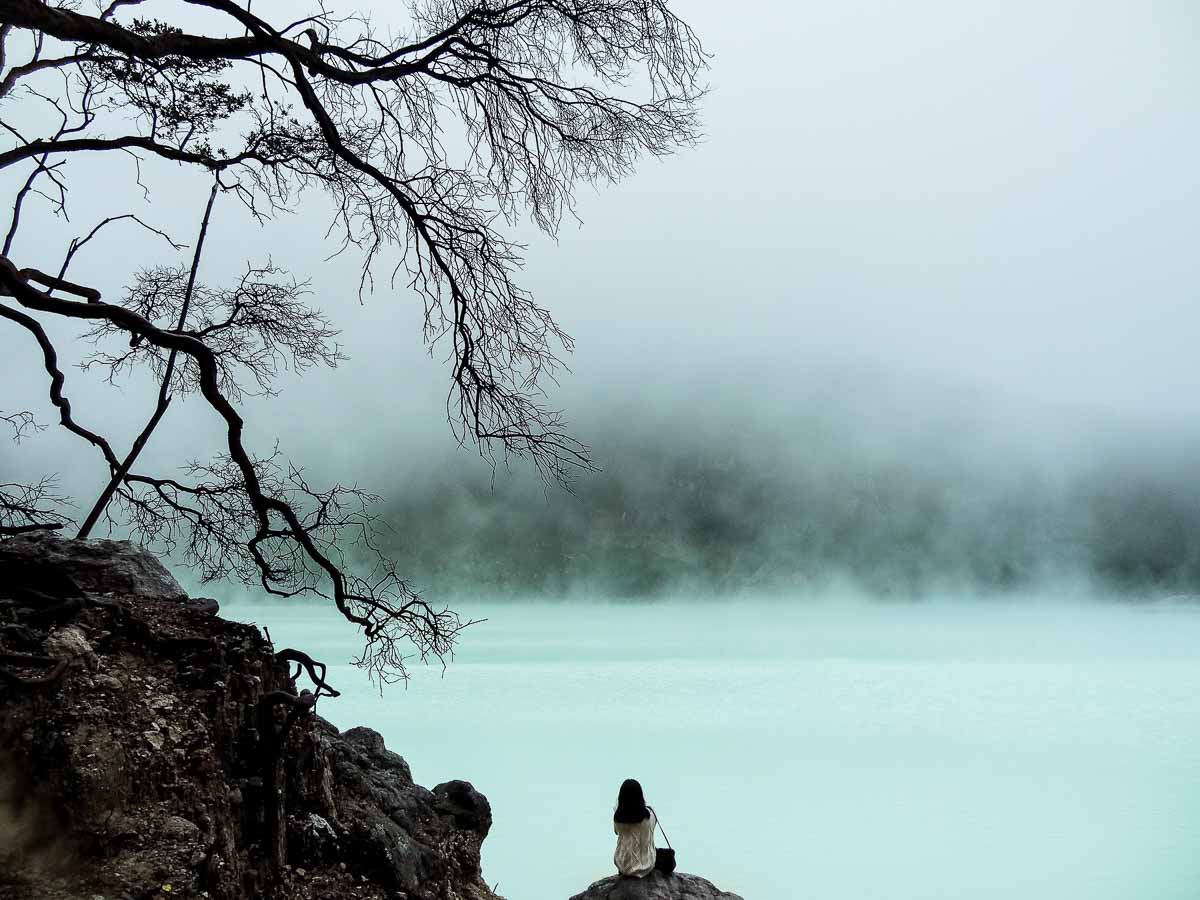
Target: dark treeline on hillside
[[745, 511]]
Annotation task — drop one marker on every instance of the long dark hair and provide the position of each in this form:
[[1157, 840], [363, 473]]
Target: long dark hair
[[631, 803]]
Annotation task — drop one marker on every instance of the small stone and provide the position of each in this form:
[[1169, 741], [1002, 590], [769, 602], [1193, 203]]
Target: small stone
[[206, 605], [69, 642], [180, 829], [154, 740], [108, 682]]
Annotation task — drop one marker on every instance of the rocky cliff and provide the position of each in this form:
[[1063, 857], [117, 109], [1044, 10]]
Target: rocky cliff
[[151, 749]]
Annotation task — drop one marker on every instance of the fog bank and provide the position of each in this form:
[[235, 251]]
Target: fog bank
[[896, 489]]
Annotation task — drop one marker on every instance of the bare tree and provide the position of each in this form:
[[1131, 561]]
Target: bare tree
[[536, 93]]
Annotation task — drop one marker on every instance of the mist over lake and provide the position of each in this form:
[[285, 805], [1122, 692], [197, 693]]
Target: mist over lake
[[882, 487]]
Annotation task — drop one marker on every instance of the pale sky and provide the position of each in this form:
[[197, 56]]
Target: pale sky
[[1000, 198]]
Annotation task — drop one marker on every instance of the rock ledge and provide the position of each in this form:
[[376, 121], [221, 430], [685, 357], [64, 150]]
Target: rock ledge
[[655, 886], [46, 562]]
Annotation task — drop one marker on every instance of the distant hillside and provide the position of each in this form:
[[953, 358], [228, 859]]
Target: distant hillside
[[742, 510]]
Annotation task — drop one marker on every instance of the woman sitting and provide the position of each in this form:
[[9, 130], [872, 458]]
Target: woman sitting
[[634, 823]]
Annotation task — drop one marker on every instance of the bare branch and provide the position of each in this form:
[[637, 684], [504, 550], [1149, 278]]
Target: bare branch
[[543, 94], [32, 507], [78, 243], [57, 379], [164, 392], [21, 424]]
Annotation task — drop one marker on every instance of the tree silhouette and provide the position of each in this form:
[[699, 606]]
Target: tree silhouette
[[536, 96]]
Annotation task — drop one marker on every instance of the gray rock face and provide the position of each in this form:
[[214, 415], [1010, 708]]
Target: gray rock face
[[401, 835], [95, 566], [655, 886]]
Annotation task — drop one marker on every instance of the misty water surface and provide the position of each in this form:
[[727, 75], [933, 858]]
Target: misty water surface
[[842, 750]]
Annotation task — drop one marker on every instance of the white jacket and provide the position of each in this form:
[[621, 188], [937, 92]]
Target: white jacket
[[635, 852]]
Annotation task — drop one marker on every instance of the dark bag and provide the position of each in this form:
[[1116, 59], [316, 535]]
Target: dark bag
[[664, 860]]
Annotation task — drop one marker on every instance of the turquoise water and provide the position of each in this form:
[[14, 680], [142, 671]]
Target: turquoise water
[[845, 751]]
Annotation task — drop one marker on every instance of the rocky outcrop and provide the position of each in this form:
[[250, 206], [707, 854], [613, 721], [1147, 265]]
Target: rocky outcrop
[[420, 842], [42, 562], [136, 768], [655, 886]]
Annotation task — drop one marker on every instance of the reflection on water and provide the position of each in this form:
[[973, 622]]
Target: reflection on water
[[847, 752]]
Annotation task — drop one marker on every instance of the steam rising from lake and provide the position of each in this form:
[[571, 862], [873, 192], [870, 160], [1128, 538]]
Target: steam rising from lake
[[883, 488]]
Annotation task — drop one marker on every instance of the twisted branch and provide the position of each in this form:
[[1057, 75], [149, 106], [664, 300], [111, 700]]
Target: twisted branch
[[361, 116]]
